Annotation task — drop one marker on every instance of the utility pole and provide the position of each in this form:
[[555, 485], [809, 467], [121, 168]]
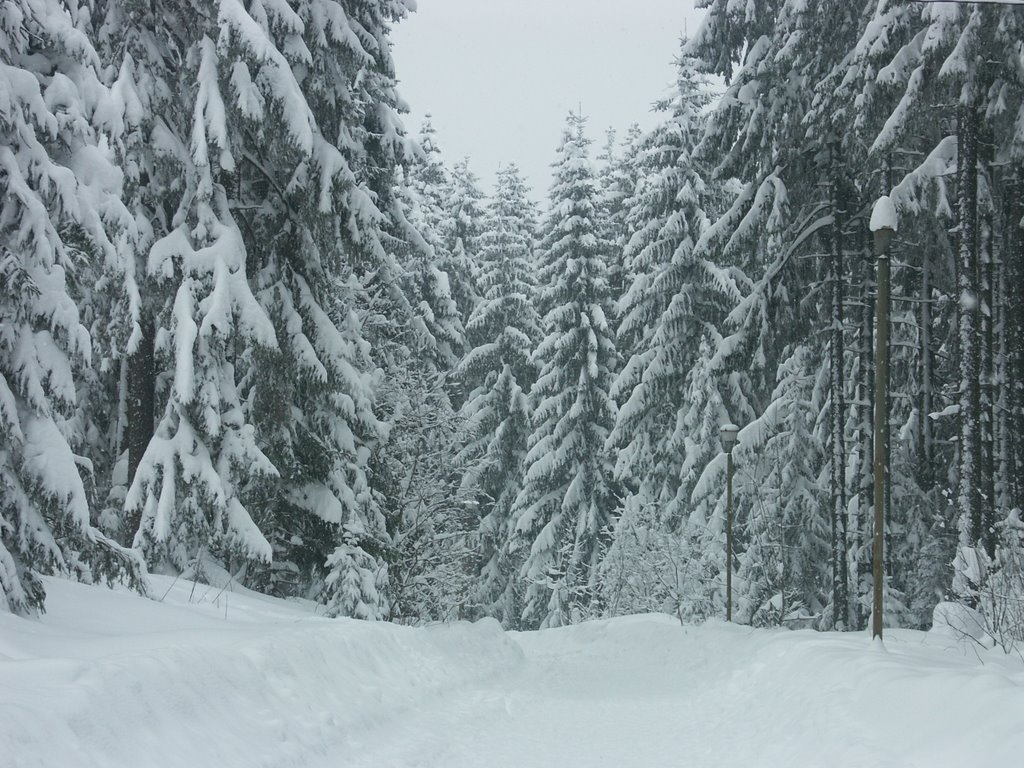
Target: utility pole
[[883, 226]]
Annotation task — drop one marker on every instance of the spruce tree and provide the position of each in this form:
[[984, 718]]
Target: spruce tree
[[497, 374], [464, 205], [60, 210], [617, 181], [783, 572], [788, 147], [287, 139], [566, 504], [357, 105], [191, 481], [671, 299]]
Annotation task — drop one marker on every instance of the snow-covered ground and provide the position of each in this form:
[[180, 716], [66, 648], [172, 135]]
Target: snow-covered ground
[[225, 679]]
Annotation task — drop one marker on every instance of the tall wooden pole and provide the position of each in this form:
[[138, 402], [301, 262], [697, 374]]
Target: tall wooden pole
[[880, 430], [728, 539]]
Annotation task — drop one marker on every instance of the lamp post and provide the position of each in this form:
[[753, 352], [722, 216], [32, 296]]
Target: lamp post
[[883, 227], [730, 436]]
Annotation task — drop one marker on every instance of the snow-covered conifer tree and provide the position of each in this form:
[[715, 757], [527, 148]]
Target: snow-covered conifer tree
[[497, 374], [60, 201], [783, 567], [464, 207], [287, 106], [427, 255], [789, 145], [191, 481], [672, 298], [438, 330], [566, 504], [617, 181], [670, 388], [331, 283]]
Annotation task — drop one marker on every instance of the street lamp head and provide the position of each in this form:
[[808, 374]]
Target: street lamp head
[[730, 434], [884, 223]]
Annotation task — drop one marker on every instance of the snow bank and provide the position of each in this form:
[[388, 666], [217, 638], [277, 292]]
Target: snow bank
[[958, 622], [110, 679], [728, 695]]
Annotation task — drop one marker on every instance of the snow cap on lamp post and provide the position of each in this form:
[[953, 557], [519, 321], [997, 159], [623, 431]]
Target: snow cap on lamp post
[[730, 436], [884, 223]]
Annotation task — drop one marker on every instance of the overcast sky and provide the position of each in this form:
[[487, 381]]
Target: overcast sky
[[499, 76]]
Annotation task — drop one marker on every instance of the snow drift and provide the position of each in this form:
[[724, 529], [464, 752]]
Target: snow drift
[[110, 679], [217, 679]]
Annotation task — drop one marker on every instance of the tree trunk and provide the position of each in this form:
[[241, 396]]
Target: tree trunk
[[1002, 399], [986, 338], [862, 509], [968, 495], [925, 441], [1013, 309], [837, 393], [141, 396]]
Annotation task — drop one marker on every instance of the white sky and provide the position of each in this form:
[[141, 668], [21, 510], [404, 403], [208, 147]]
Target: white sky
[[499, 76]]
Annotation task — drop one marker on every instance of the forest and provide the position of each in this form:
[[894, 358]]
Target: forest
[[250, 320]]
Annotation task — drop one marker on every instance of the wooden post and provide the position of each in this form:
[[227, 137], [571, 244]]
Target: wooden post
[[728, 539], [880, 430]]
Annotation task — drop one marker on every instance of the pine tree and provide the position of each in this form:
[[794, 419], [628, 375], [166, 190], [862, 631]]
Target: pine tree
[[462, 232], [566, 503], [357, 108], [149, 127], [788, 144], [287, 161], [617, 182], [783, 573], [430, 176], [59, 207], [881, 89], [465, 205], [909, 46], [874, 95], [428, 256], [438, 328], [498, 374], [671, 300], [191, 480]]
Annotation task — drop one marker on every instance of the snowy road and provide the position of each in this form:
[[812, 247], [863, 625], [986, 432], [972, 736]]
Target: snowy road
[[212, 679], [571, 703], [586, 698]]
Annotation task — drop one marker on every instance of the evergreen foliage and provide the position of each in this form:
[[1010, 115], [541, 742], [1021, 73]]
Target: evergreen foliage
[[498, 372], [60, 211], [565, 506], [247, 323]]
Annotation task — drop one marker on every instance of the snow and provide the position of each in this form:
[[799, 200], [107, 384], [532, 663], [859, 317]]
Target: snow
[[221, 676], [216, 677], [960, 622], [49, 460], [883, 215]]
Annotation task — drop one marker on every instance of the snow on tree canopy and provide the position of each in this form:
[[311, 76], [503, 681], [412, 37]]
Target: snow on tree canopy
[[60, 203], [498, 372], [566, 502]]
